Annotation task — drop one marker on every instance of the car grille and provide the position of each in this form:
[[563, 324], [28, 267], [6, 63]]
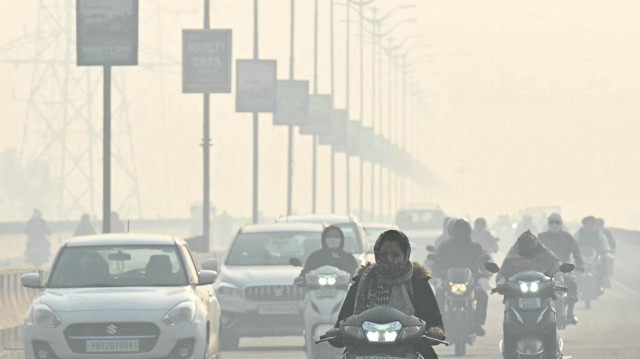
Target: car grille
[[76, 335], [271, 293]]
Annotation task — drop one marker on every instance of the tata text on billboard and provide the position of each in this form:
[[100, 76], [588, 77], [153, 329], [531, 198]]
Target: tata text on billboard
[[292, 105], [107, 32], [256, 85], [206, 61]]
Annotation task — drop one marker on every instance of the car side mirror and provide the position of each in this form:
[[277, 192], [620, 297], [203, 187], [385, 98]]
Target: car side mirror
[[431, 248], [567, 267], [296, 262], [31, 280], [207, 277], [492, 267], [210, 264]]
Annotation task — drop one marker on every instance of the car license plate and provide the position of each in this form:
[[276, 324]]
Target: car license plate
[[112, 346], [275, 309], [529, 303]]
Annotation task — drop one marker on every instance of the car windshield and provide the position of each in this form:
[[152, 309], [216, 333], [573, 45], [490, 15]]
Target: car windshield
[[272, 248], [374, 232], [419, 219], [118, 266]]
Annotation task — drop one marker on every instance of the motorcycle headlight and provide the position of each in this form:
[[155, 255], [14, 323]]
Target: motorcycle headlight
[[182, 313], [529, 286], [458, 288], [44, 316], [382, 333]]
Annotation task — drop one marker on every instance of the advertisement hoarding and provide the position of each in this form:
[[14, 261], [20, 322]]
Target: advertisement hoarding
[[106, 32], [256, 85], [292, 105], [320, 110], [206, 61]]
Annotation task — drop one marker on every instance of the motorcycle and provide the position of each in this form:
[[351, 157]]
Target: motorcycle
[[590, 285], [327, 287], [382, 332], [530, 325], [458, 303]]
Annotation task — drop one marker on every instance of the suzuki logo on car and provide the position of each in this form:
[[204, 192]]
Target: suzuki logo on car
[[112, 329], [278, 291]]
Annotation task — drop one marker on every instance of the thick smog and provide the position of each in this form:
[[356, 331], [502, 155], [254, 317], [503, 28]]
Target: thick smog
[[353, 179]]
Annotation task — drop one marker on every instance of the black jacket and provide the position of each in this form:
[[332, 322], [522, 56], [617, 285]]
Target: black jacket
[[563, 245], [330, 257], [423, 300], [459, 253]]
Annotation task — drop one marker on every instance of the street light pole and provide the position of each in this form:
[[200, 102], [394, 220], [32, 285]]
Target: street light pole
[[290, 137], [206, 149], [333, 152], [373, 107], [315, 92], [255, 120]]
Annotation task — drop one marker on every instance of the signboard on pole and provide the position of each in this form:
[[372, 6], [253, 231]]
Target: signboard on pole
[[107, 32], [350, 147], [206, 61], [365, 140], [320, 109], [338, 135], [256, 85], [292, 105]]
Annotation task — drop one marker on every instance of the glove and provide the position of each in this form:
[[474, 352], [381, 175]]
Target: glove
[[499, 288], [435, 332], [300, 281], [334, 332]]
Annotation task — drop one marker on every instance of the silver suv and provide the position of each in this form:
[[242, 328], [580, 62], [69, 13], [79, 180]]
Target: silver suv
[[255, 285]]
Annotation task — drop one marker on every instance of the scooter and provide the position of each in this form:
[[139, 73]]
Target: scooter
[[382, 332], [529, 325], [327, 287]]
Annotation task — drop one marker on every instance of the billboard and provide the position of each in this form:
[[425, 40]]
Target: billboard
[[106, 32], [292, 105], [206, 61], [256, 85], [338, 135], [320, 110]]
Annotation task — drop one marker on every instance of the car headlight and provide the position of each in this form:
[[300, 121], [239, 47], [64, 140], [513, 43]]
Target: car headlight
[[529, 286], [382, 333], [182, 313], [44, 316], [229, 290], [458, 288]]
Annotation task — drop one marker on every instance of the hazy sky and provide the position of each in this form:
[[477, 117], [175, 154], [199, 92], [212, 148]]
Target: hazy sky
[[529, 103]]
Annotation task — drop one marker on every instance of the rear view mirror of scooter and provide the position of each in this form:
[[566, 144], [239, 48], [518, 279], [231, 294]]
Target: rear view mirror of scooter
[[492, 267]]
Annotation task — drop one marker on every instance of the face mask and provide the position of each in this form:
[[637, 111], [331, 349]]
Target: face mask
[[555, 227], [333, 242]]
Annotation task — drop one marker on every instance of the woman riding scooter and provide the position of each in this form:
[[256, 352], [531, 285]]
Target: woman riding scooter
[[394, 281]]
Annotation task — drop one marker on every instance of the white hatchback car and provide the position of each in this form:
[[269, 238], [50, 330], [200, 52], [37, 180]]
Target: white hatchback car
[[123, 296]]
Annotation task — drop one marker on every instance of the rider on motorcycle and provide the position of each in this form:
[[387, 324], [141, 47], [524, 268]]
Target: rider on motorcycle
[[532, 255], [481, 235], [460, 252], [393, 280], [591, 240], [562, 244], [331, 253]]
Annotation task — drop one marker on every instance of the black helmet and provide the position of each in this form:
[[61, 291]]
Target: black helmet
[[461, 230]]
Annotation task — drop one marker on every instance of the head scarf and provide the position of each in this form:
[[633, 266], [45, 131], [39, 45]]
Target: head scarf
[[386, 282]]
